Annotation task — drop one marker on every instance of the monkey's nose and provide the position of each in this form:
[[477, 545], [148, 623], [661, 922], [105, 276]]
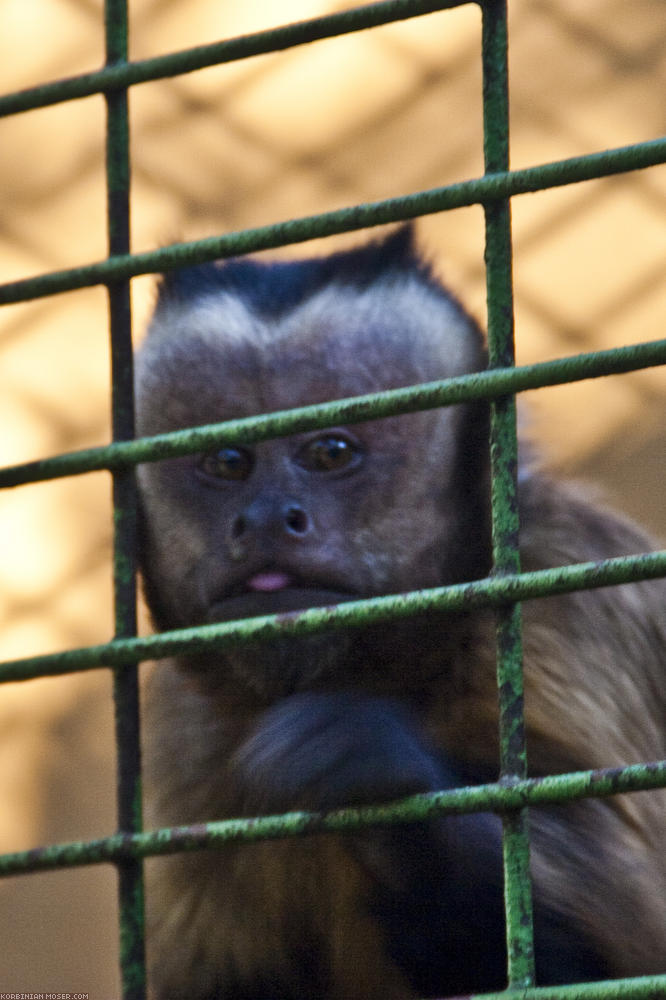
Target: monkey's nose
[[273, 516]]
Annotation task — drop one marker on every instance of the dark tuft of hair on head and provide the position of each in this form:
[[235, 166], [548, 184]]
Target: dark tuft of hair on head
[[271, 288]]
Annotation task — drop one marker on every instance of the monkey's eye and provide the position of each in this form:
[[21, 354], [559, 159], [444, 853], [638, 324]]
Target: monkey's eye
[[330, 453], [228, 463]]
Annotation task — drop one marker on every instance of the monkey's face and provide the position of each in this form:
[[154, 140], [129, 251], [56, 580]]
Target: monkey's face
[[319, 517], [308, 520], [305, 521]]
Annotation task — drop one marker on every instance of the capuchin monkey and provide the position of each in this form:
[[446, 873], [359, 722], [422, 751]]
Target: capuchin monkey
[[370, 714]]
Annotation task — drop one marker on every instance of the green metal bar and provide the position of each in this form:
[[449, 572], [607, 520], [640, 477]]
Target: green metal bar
[[643, 988], [499, 185], [495, 797], [493, 592], [114, 77], [480, 385], [125, 676], [504, 497]]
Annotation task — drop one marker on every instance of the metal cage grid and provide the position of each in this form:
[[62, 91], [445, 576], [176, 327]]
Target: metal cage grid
[[504, 589]]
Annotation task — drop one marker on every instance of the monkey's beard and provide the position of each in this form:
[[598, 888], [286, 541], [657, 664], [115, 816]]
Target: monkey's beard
[[281, 666]]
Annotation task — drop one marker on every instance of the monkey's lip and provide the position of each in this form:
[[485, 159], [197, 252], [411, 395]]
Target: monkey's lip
[[269, 581], [272, 592]]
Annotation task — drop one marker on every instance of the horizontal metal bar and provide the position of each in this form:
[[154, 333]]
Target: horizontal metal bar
[[641, 988], [478, 190], [350, 614], [217, 53], [478, 385], [495, 796]]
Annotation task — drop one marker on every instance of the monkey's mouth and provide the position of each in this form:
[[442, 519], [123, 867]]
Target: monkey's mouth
[[272, 592]]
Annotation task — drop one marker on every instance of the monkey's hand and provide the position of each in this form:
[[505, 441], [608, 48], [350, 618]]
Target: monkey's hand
[[321, 751], [436, 887]]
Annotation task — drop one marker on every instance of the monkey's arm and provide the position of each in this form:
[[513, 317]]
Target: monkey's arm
[[436, 887]]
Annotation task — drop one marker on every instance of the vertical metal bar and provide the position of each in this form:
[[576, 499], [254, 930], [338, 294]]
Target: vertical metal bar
[[504, 461], [126, 689]]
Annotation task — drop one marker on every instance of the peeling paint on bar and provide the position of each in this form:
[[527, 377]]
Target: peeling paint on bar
[[491, 592], [479, 190], [446, 392], [125, 677], [218, 53], [497, 796]]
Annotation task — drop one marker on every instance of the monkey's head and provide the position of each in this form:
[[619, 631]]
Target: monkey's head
[[322, 516]]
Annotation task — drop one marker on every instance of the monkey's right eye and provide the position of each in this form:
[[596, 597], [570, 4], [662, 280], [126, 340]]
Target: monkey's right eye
[[227, 463]]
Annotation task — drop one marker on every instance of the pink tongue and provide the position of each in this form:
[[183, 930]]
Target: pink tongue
[[269, 581]]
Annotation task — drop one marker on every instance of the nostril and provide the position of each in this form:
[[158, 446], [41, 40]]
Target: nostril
[[296, 520], [238, 527]]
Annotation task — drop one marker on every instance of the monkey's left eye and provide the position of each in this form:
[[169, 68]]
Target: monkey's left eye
[[328, 454], [228, 463]]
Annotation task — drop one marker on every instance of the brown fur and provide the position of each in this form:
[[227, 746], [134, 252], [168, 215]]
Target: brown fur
[[414, 514]]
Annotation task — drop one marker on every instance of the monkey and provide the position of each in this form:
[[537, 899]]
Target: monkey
[[368, 715]]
